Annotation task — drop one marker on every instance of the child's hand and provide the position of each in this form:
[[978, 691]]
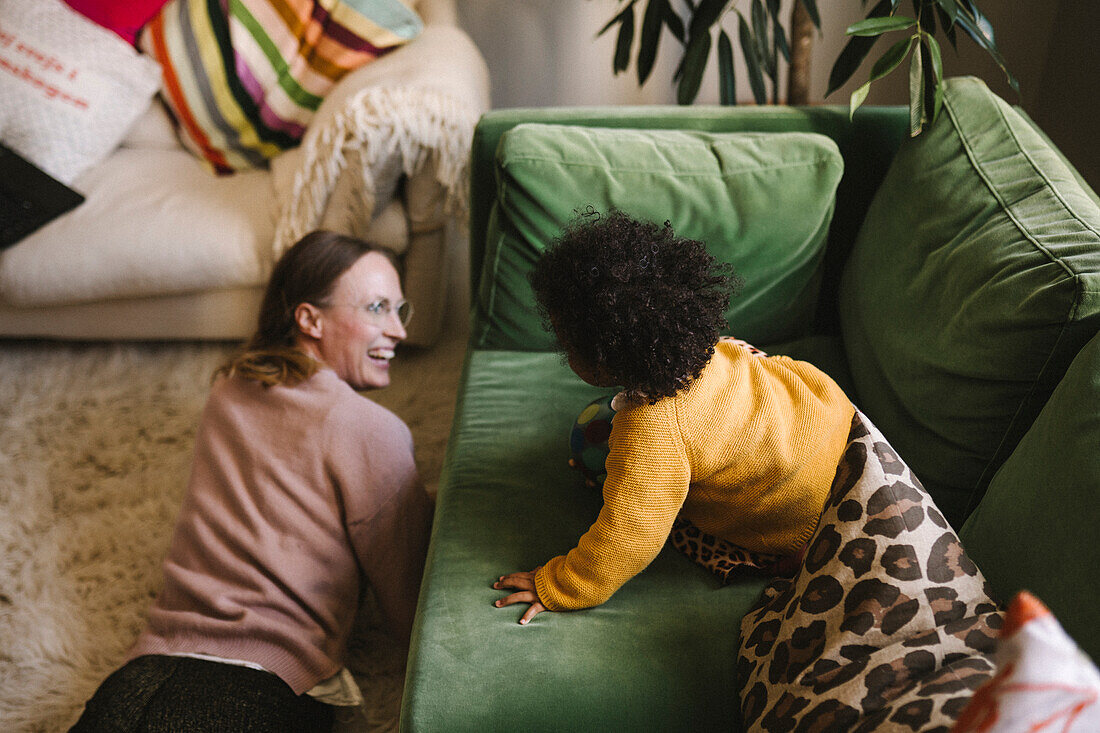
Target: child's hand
[[587, 481], [525, 584]]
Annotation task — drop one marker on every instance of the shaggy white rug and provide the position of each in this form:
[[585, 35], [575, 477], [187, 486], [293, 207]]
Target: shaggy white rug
[[95, 445]]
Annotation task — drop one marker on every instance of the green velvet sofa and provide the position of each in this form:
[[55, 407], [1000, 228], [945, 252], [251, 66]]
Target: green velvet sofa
[[952, 287]]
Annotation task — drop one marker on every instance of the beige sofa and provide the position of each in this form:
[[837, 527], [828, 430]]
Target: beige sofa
[[163, 249]]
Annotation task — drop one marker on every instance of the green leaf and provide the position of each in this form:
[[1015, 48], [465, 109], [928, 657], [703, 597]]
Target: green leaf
[[811, 10], [929, 24], [695, 61], [617, 19], [674, 23], [705, 15], [853, 54], [760, 36], [980, 20], [916, 93], [859, 96], [978, 27], [851, 58], [931, 82], [727, 81], [748, 50], [626, 39], [650, 38], [948, 26], [780, 35], [886, 63], [936, 56], [878, 26], [950, 8], [891, 59]]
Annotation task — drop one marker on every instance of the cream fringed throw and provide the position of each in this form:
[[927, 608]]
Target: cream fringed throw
[[398, 128]]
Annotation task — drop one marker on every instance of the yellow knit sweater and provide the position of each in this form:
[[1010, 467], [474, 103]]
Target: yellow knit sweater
[[747, 453]]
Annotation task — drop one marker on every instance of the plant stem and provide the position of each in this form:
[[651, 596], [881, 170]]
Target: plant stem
[[798, 71]]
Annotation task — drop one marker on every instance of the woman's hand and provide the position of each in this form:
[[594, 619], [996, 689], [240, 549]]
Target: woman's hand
[[524, 584]]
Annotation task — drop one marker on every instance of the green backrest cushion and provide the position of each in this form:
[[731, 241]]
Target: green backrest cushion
[[867, 141], [761, 201], [973, 282], [1034, 529]]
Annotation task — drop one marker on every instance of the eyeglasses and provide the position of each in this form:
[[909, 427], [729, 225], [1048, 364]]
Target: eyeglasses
[[379, 311]]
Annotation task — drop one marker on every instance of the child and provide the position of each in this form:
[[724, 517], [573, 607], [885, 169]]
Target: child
[[742, 446]]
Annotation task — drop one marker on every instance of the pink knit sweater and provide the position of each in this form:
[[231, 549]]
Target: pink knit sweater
[[294, 491]]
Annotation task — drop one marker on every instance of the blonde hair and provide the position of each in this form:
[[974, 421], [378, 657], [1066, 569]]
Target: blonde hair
[[269, 367], [306, 273]]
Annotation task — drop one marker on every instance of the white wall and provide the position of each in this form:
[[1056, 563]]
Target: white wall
[[545, 53]]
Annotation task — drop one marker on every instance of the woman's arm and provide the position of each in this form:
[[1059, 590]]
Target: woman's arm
[[388, 513]]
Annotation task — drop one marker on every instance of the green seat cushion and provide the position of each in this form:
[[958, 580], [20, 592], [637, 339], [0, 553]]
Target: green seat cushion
[[761, 201], [660, 655], [1034, 528], [973, 282]]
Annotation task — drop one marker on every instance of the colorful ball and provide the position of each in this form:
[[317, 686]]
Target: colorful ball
[[588, 440]]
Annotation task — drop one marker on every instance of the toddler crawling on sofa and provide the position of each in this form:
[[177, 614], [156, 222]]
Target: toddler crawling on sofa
[[708, 435]]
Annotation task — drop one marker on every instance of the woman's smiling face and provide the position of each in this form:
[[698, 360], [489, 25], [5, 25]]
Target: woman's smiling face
[[349, 335]]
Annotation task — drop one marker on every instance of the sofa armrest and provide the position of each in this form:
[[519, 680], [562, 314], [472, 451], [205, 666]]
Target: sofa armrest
[[442, 57], [438, 12], [389, 118]]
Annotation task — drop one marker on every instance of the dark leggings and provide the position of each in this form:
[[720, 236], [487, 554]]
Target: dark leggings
[[161, 693]]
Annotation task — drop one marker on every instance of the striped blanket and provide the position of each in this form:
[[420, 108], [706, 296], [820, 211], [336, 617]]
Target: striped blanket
[[244, 77]]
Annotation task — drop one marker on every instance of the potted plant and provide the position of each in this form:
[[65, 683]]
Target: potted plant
[[763, 40]]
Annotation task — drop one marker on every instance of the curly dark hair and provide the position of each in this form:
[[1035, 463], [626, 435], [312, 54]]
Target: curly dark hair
[[634, 300]]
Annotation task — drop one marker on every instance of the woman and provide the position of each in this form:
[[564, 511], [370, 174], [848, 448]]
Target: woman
[[298, 484]]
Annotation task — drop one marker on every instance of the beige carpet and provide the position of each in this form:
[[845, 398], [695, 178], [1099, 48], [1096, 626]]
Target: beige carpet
[[95, 444]]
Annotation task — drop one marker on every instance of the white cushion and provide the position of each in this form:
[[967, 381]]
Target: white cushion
[[1044, 681], [155, 222], [70, 88], [154, 128]]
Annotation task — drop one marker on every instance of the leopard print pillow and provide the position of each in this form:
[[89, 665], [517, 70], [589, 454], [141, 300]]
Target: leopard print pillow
[[887, 625]]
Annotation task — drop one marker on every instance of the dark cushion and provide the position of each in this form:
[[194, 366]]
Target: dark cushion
[[761, 201], [1034, 527], [974, 280]]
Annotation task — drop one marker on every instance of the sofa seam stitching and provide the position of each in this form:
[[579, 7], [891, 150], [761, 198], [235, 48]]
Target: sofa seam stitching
[[489, 307], [1009, 210], [1046, 181], [578, 164], [973, 499]]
